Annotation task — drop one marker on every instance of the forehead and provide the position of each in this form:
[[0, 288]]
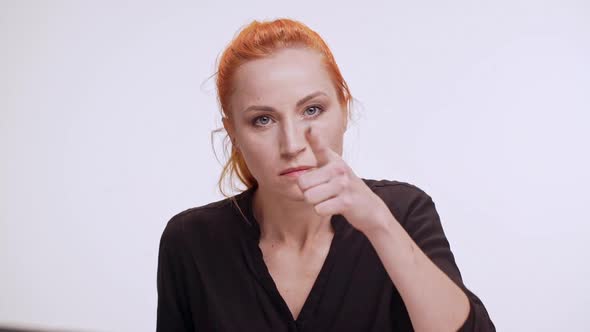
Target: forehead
[[281, 79]]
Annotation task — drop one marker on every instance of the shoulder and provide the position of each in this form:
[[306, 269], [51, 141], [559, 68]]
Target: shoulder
[[401, 197], [393, 189], [215, 218]]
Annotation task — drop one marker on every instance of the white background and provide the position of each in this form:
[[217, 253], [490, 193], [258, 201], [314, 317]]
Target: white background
[[106, 112]]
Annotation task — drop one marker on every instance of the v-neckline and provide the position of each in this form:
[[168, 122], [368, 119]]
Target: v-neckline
[[263, 275]]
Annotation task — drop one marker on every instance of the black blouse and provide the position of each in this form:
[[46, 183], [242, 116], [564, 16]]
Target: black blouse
[[212, 276]]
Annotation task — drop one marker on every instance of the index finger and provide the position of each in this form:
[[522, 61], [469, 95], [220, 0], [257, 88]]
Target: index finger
[[322, 152]]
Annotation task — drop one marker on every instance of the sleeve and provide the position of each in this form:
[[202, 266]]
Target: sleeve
[[173, 312], [423, 224]]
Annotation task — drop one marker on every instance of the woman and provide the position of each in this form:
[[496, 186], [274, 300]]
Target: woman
[[309, 246]]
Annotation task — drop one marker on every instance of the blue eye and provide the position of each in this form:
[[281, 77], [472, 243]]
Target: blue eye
[[256, 122], [264, 120], [320, 110]]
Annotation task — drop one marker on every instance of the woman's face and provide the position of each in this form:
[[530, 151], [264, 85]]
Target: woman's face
[[276, 98]]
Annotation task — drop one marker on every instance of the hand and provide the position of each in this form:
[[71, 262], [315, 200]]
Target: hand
[[333, 188]]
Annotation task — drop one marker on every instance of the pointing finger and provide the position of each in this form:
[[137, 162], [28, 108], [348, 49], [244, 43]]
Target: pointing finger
[[322, 152]]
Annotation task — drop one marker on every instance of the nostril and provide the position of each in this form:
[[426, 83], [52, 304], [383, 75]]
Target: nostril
[[290, 153]]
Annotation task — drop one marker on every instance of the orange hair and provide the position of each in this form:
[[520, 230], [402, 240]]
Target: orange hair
[[255, 41]]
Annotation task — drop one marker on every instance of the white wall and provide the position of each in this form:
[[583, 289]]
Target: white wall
[[106, 113]]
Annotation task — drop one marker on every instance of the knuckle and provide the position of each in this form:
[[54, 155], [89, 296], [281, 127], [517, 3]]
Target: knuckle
[[301, 182], [345, 181], [318, 209], [337, 170], [346, 201], [340, 168], [307, 195], [341, 182]]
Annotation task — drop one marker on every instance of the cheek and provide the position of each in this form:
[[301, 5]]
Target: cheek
[[257, 152], [332, 130]]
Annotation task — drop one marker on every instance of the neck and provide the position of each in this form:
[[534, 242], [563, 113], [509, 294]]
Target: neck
[[285, 221]]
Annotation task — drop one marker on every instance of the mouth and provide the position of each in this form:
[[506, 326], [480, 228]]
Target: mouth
[[295, 170]]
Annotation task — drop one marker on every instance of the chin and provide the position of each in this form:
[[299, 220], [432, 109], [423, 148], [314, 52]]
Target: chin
[[299, 196], [293, 192], [289, 191]]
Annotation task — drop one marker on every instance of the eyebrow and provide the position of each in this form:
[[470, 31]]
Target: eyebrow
[[299, 103]]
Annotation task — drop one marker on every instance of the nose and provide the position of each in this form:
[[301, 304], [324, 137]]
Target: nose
[[292, 140]]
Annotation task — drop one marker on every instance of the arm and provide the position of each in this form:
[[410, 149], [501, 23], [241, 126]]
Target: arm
[[173, 312], [417, 256], [419, 261]]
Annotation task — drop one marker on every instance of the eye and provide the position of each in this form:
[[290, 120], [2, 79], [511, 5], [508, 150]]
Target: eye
[[318, 111], [261, 120]]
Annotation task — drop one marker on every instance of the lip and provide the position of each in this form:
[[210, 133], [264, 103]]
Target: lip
[[295, 169]]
